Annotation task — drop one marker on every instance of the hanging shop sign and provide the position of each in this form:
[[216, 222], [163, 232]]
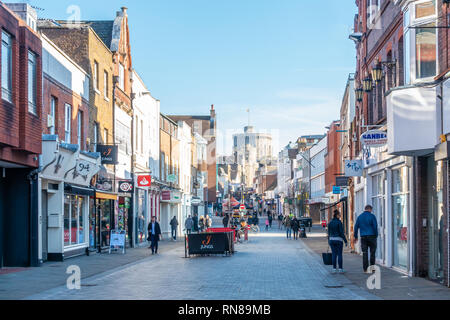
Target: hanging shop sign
[[144, 181], [172, 178], [104, 185], [354, 168], [336, 190], [374, 139], [126, 186], [342, 181], [109, 154]]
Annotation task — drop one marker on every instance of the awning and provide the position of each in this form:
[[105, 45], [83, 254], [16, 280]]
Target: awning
[[68, 188], [335, 204], [106, 196]]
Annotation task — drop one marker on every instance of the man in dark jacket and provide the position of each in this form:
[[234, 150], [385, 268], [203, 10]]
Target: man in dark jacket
[[195, 220], [226, 221], [367, 226], [174, 227], [154, 234]]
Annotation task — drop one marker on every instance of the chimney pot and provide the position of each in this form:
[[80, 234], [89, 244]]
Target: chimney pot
[[124, 9], [212, 107]]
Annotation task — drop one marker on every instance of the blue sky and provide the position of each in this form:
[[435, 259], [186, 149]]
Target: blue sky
[[285, 60]]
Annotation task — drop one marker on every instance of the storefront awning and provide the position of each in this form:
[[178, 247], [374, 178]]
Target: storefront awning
[[335, 204], [106, 196], [68, 188]]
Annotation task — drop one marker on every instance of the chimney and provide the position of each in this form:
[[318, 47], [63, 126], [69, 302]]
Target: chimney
[[212, 107], [124, 10]]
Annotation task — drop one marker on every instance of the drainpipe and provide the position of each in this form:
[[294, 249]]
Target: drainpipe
[[32, 223]]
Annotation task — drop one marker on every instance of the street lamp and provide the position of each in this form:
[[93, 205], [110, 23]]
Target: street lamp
[[359, 94], [377, 73], [367, 84]]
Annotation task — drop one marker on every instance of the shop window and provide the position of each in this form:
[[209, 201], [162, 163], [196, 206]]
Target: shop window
[[74, 222], [68, 123]]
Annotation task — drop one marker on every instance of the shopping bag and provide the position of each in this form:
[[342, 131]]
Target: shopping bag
[[327, 258]]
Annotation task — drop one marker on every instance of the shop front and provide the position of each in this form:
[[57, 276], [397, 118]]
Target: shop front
[[142, 216], [388, 190], [170, 207], [102, 219], [65, 192]]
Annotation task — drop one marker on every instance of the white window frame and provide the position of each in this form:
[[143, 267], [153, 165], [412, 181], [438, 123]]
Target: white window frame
[[96, 76], [409, 37], [7, 42], [67, 123], [79, 128], [53, 114], [121, 76], [32, 83]]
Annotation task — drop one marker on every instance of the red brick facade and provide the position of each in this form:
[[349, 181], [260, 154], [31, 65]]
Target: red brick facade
[[20, 130], [63, 96], [333, 166]]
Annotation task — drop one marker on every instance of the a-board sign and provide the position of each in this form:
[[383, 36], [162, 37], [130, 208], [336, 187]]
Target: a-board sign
[[117, 240]]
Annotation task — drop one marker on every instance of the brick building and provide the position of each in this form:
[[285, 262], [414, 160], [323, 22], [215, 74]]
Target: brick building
[[206, 126], [20, 139]]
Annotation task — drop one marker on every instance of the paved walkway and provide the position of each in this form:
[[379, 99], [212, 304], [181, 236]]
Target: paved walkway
[[394, 285], [268, 267]]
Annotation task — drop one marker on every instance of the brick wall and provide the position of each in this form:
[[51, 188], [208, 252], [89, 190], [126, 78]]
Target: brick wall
[[422, 209], [20, 131]]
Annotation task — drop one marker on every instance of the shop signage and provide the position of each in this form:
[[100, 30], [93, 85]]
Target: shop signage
[[342, 181], [144, 181], [108, 153], [83, 167], [210, 243], [104, 185], [117, 240], [354, 168], [336, 190], [196, 201], [442, 151], [172, 178], [166, 196], [126, 186], [374, 139]]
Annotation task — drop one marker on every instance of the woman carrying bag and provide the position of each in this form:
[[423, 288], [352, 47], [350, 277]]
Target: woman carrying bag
[[336, 239]]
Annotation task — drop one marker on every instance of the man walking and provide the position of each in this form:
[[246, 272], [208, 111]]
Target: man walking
[[367, 226], [195, 221], [174, 227], [226, 221], [154, 231], [188, 225], [287, 224]]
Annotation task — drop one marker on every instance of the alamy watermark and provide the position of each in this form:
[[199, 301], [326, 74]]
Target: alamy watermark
[[74, 279], [374, 281]]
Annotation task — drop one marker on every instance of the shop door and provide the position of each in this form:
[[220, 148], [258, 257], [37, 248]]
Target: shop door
[[436, 219], [44, 225]]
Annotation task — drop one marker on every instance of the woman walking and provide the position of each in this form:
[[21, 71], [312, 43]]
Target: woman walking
[[336, 238], [295, 225]]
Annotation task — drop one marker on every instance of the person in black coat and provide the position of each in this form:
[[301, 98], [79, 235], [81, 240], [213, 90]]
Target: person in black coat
[[154, 235], [295, 225]]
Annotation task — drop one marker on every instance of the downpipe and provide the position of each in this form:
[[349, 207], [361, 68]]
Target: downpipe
[[32, 177]]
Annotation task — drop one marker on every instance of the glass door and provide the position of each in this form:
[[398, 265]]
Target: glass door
[[400, 204]]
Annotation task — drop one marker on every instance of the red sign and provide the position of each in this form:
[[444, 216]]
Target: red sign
[[166, 196], [242, 206], [144, 181]]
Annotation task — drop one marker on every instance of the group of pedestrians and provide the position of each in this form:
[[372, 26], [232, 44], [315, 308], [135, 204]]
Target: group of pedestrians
[[366, 228], [192, 224], [292, 225]]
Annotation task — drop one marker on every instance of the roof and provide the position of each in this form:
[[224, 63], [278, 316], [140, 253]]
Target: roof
[[103, 29], [273, 186], [190, 117]]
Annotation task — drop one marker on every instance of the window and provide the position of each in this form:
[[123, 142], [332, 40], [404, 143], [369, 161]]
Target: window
[[137, 134], [32, 82], [74, 228], [80, 129], [105, 136], [420, 38], [121, 76], [52, 114], [123, 136], [373, 9], [163, 166], [67, 122], [96, 75], [142, 136], [95, 135], [106, 84], [6, 66]]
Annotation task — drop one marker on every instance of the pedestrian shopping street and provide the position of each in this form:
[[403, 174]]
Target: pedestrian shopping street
[[268, 267]]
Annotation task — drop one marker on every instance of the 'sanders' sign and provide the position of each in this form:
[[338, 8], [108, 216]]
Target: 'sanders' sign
[[374, 139]]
